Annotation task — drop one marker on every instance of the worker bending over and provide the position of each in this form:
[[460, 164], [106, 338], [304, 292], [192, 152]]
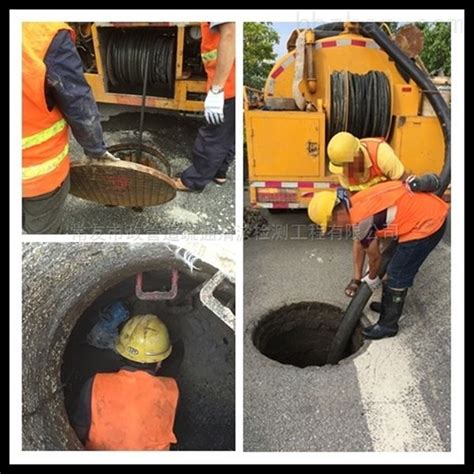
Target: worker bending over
[[390, 209], [360, 164]]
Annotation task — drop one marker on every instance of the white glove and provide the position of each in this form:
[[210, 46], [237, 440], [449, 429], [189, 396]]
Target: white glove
[[214, 108], [408, 182], [373, 284], [108, 156], [105, 156]]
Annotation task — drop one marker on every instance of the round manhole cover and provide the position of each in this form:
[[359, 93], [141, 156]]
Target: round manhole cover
[[121, 183], [301, 334]]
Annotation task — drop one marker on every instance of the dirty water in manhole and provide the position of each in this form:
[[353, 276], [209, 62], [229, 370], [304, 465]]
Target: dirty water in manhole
[[202, 360], [301, 334]]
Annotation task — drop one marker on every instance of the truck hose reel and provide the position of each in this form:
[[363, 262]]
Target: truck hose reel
[[128, 50], [360, 104]]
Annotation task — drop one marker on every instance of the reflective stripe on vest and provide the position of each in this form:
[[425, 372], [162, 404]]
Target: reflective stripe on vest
[[45, 161], [44, 135], [209, 56], [46, 167], [368, 184]]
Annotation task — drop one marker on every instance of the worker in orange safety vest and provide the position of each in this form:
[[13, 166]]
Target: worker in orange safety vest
[[360, 164], [55, 97], [214, 147], [134, 408], [391, 209]]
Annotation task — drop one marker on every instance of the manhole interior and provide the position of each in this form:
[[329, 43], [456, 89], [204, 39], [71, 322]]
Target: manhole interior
[[202, 360], [301, 334]]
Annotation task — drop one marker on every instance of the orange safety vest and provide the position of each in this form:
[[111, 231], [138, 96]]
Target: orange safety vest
[[45, 137], [132, 411], [418, 215], [209, 43], [375, 174]]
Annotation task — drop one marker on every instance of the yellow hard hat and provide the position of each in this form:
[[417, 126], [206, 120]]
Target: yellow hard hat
[[335, 169], [144, 339], [320, 208], [342, 148]]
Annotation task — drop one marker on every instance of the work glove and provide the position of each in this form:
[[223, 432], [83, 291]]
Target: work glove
[[373, 284], [408, 182], [214, 108], [105, 156], [427, 183]]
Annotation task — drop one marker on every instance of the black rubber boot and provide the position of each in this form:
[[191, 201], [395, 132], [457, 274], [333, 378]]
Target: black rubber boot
[[376, 306], [391, 310]]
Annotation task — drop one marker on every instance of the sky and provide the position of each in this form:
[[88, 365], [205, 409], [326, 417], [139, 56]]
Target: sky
[[284, 30]]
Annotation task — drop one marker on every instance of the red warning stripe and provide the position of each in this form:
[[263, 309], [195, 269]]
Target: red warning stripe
[[329, 44], [273, 184], [359, 43], [276, 73]]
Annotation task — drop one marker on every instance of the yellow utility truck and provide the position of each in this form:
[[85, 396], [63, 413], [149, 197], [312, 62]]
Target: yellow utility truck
[[114, 57], [334, 78]]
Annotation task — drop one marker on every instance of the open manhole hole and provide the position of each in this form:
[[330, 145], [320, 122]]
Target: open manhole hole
[[202, 359], [301, 334]]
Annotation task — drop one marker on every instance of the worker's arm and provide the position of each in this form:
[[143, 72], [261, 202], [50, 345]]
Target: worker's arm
[[68, 89], [366, 232], [374, 257], [80, 417], [389, 163], [225, 53]]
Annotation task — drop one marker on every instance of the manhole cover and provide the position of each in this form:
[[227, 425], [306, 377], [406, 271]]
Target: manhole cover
[[301, 334], [131, 182]]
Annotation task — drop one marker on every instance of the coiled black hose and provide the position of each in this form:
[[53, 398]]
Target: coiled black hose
[[360, 104], [129, 50]]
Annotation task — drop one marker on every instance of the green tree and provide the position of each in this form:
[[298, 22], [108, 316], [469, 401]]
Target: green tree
[[436, 54], [259, 39]]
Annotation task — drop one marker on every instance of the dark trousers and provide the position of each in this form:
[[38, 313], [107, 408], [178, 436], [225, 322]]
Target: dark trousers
[[408, 258], [213, 151], [44, 214]]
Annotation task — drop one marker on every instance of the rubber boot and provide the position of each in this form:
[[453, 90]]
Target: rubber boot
[[391, 310], [376, 306]]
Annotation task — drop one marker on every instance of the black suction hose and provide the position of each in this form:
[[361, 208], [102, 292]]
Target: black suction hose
[[335, 26], [426, 85], [363, 294], [142, 109]]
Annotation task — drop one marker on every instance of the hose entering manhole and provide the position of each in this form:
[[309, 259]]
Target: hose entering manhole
[[301, 334]]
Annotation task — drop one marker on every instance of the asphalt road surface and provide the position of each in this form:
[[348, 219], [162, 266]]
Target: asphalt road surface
[[392, 395]]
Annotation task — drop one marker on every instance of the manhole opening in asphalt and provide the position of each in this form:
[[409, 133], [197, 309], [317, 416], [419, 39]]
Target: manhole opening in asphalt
[[195, 333], [301, 334]]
